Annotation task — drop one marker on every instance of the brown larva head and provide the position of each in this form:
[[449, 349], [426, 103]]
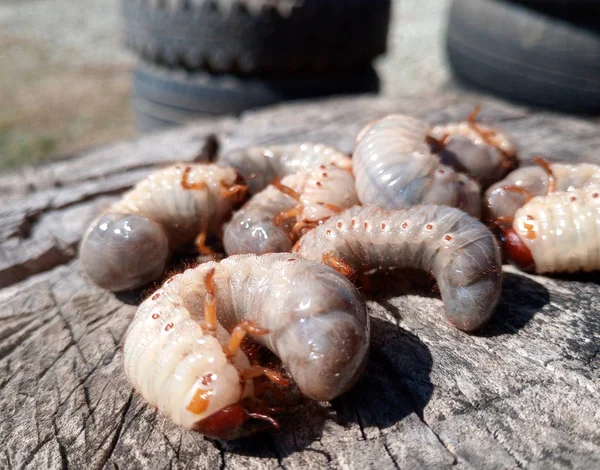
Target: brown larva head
[[121, 251], [225, 424], [516, 250]]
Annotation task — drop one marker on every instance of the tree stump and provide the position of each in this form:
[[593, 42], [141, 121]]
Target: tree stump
[[523, 393]]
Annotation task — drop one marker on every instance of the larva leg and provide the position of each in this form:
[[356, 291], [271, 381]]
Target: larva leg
[[235, 192], [332, 261], [286, 190], [259, 371], [551, 176], [239, 333], [210, 306], [288, 214], [519, 190], [185, 183], [200, 243]]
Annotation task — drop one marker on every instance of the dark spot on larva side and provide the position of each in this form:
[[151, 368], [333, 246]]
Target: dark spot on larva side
[[529, 217], [404, 225], [340, 225], [353, 222], [325, 175], [383, 226], [366, 225], [319, 184], [322, 167], [573, 198], [156, 296], [441, 171], [327, 232], [169, 326], [207, 379], [595, 195], [155, 316], [428, 226], [448, 238], [291, 259]]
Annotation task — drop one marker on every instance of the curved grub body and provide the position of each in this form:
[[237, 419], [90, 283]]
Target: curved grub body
[[562, 230], [482, 152], [261, 165], [534, 180], [130, 244], [316, 320], [272, 221], [458, 250], [395, 168]]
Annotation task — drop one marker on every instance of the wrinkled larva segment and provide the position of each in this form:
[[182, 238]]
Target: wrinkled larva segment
[[562, 230], [131, 242], [321, 192], [316, 320], [503, 203], [395, 168], [480, 151], [458, 250], [261, 165]]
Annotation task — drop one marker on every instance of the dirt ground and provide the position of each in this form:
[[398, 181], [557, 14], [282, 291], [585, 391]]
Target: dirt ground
[[65, 75]]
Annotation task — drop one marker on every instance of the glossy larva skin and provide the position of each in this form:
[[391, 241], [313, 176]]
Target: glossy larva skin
[[253, 229], [130, 244], [500, 202], [562, 230], [458, 250], [395, 168], [486, 159], [317, 324], [261, 165]]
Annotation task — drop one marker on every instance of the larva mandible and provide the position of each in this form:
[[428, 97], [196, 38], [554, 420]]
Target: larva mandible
[[458, 250], [395, 168], [549, 217], [482, 152], [130, 244], [274, 219], [259, 166], [182, 350]]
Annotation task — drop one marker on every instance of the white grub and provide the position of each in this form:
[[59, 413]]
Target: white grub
[[460, 252], [395, 168], [274, 219], [130, 244], [315, 322]]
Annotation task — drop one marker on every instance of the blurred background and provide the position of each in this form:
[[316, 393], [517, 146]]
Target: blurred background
[[67, 78]]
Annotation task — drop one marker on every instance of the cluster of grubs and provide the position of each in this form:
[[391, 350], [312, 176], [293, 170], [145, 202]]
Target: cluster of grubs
[[313, 219]]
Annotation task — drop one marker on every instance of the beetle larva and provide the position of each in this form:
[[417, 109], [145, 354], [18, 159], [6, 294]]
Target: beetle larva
[[504, 198], [182, 350], [549, 216], [459, 251], [130, 244], [395, 168], [261, 165], [482, 152], [274, 219]]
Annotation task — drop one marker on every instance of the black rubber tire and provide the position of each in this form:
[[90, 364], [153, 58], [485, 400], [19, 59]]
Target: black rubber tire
[[314, 37], [163, 97], [526, 55]]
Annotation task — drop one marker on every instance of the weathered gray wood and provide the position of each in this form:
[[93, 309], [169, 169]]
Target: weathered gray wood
[[524, 393]]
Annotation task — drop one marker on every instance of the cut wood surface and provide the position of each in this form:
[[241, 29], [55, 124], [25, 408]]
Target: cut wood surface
[[522, 394]]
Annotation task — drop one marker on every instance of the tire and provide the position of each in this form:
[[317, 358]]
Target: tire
[[312, 37], [164, 98], [526, 55]]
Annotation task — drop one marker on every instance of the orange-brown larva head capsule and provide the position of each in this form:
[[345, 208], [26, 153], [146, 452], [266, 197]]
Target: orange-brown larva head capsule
[[224, 424], [517, 251]]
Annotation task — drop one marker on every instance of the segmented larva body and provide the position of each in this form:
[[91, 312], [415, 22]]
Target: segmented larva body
[[261, 165], [274, 219], [482, 152], [315, 319], [130, 244], [459, 251], [534, 181], [395, 168], [562, 230]]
